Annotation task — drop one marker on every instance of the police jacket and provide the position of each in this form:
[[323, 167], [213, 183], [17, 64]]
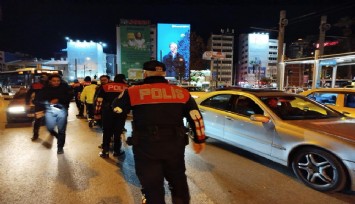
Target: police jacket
[[156, 103], [106, 94], [35, 88], [63, 93]]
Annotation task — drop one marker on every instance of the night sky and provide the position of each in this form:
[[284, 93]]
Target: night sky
[[38, 27]]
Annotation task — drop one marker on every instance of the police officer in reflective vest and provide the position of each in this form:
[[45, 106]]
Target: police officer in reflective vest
[[159, 135], [112, 123], [39, 108]]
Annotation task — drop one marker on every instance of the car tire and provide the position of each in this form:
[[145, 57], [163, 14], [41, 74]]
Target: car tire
[[319, 170]]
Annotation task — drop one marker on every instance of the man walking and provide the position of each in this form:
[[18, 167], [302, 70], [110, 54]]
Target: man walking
[[56, 97], [159, 136]]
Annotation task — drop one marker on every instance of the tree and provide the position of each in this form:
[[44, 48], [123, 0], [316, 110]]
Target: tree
[[197, 48]]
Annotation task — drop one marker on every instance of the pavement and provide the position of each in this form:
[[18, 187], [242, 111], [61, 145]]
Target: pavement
[[33, 172]]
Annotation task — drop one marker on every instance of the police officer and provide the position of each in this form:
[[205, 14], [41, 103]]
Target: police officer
[[112, 123], [39, 108], [159, 136]]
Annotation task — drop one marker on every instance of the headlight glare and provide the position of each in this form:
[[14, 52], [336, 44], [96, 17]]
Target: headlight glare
[[16, 109]]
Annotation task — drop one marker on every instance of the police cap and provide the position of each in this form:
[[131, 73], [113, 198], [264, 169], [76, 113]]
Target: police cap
[[154, 65]]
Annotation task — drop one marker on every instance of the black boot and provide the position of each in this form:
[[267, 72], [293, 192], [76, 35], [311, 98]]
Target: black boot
[[34, 137]]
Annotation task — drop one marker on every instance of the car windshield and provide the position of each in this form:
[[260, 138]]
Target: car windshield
[[298, 108]]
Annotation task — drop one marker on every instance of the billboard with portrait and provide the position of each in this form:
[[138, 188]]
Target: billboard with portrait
[[258, 54], [135, 46], [173, 49]]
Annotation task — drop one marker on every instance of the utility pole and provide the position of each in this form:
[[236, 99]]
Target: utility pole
[[280, 50], [323, 27]]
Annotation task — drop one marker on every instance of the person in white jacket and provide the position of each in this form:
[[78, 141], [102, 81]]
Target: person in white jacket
[[87, 97]]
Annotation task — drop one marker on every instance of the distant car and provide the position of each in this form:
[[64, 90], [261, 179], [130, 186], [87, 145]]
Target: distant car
[[17, 111], [340, 99], [317, 142], [350, 86], [195, 91], [7, 96]]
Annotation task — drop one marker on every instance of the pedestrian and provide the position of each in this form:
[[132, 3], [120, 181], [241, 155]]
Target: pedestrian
[[56, 97], [112, 123], [77, 89], [104, 79], [87, 97], [159, 135], [38, 107]]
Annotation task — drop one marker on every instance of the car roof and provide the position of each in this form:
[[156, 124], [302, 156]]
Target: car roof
[[256, 92], [339, 90]]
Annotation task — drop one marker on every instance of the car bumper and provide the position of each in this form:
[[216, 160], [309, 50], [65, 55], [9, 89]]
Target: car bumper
[[351, 167]]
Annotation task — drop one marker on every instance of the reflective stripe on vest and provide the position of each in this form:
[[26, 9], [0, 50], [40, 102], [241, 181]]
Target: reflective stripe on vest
[[37, 86], [115, 87], [157, 93]]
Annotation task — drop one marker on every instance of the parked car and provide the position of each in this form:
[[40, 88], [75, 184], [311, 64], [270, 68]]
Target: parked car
[[17, 111], [195, 91], [314, 140], [340, 99]]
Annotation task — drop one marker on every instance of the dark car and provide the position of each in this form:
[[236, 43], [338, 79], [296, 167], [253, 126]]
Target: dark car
[[17, 111]]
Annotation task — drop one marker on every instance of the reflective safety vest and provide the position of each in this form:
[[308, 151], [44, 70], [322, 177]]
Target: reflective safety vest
[[115, 87], [37, 86], [157, 93]]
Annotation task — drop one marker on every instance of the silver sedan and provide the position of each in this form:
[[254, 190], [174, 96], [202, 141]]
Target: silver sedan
[[317, 142]]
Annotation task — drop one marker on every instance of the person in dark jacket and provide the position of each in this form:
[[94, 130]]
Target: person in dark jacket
[[56, 98], [78, 88], [39, 108], [174, 62], [112, 123], [159, 135]]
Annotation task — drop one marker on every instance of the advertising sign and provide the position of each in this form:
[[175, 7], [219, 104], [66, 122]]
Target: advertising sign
[[258, 54], [173, 49], [135, 46]]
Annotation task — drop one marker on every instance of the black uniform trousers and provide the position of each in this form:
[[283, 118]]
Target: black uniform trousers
[[112, 125], [156, 160]]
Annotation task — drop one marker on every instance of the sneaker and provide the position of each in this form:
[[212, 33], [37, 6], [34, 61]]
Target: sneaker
[[60, 151], [115, 154], [103, 154]]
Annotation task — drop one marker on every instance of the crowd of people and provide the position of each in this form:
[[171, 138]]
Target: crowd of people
[[159, 135]]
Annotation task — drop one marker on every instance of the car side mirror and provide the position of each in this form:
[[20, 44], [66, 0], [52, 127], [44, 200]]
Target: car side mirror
[[259, 118]]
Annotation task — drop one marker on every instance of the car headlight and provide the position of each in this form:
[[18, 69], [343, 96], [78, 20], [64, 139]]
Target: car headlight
[[16, 109]]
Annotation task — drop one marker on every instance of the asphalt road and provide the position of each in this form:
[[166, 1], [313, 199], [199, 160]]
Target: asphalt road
[[32, 172]]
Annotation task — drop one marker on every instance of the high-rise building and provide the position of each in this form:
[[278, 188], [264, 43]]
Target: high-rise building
[[257, 59], [222, 69]]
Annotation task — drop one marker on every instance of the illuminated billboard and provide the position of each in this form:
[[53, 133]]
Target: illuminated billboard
[[135, 46], [258, 54], [173, 49]]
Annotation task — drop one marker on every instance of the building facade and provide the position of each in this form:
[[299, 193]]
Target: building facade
[[85, 59], [222, 69], [257, 59]]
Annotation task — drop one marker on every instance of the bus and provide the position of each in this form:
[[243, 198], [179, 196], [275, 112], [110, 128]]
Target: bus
[[12, 81]]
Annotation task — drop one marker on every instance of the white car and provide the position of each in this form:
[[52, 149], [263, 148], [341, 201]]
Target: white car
[[317, 142]]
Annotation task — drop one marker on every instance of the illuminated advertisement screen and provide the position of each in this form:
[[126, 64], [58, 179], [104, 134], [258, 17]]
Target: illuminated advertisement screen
[[258, 54], [135, 47], [173, 49]]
